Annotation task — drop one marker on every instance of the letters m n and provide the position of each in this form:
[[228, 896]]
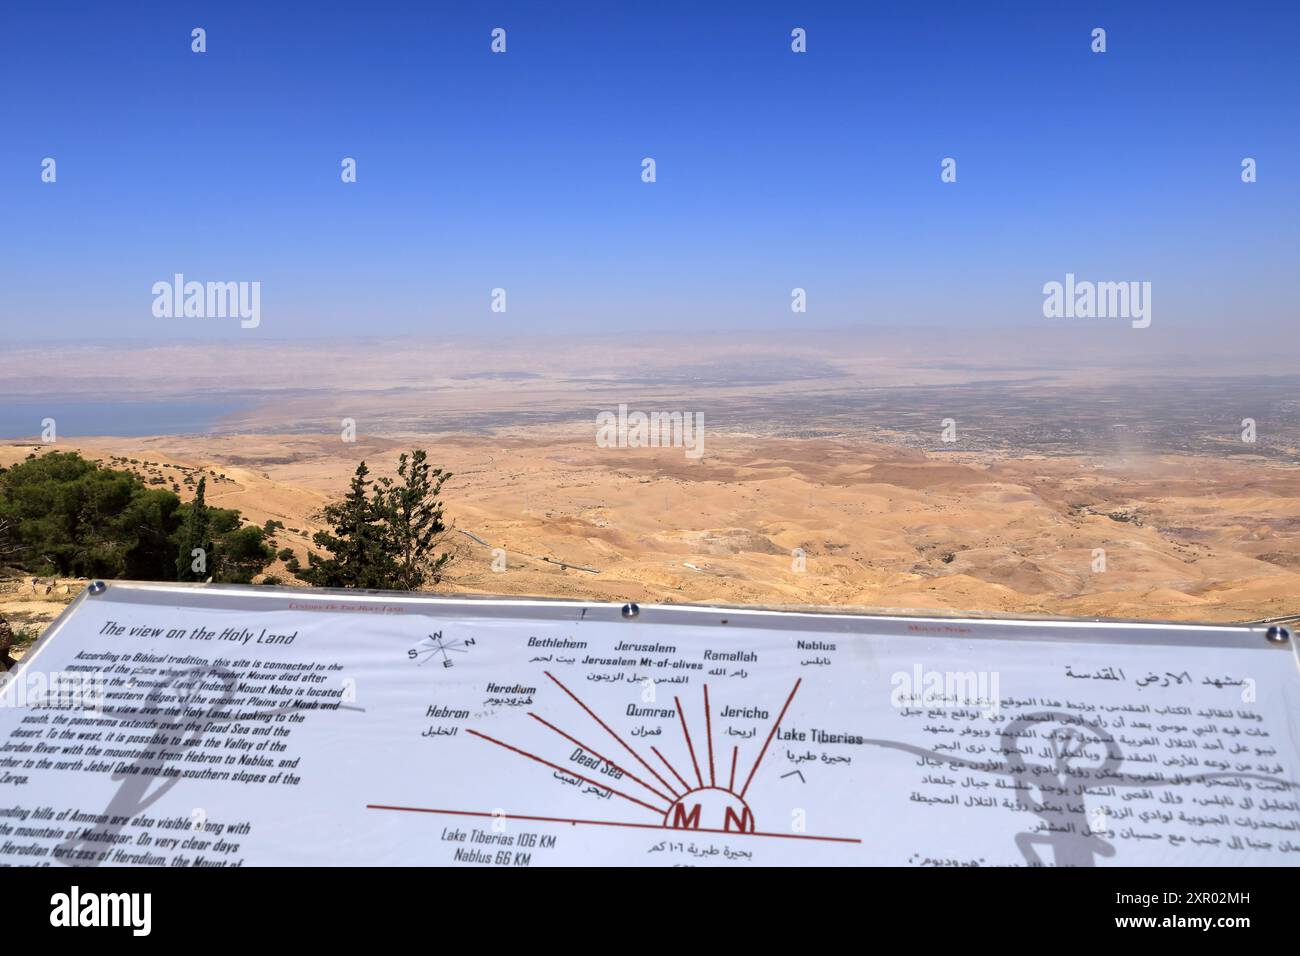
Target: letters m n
[[683, 822], [743, 823]]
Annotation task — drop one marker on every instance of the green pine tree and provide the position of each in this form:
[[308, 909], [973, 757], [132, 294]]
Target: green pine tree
[[194, 535], [356, 542], [412, 513]]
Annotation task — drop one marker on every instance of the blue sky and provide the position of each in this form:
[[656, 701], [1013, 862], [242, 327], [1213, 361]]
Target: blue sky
[[522, 170]]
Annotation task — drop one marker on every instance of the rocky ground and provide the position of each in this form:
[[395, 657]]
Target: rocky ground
[[781, 521]]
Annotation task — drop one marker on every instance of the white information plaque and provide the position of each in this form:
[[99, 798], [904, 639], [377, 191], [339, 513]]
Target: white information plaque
[[172, 725]]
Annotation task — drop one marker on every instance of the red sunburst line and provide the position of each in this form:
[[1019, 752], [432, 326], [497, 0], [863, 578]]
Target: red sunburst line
[[612, 823], [708, 727], [668, 786], [566, 770], [593, 752], [689, 746], [772, 733], [735, 752], [655, 751]]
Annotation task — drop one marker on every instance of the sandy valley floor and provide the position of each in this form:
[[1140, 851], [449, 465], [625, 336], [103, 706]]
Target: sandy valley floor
[[824, 478], [878, 526]]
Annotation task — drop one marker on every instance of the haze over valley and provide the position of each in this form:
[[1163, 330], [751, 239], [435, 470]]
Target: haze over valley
[[903, 470]]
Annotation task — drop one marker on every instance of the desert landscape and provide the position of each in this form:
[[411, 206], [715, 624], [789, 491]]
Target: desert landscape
[[1084, 486]]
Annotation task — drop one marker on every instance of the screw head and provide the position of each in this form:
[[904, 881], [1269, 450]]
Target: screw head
[[1277, 635], [630, 611], [97, 587]]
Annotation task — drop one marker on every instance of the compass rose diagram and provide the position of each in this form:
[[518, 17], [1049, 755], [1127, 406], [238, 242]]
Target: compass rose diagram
[[436, 648], [707, 794]]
